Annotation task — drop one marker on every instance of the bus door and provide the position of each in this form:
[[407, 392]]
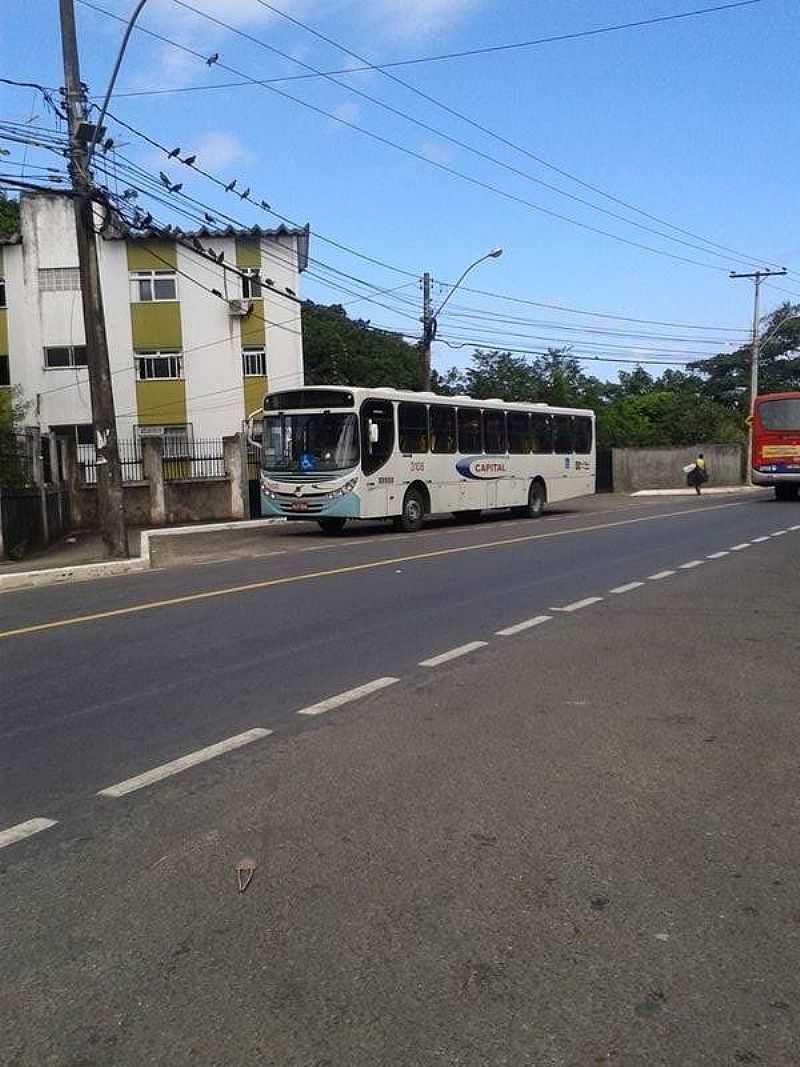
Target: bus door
[[377, 446]]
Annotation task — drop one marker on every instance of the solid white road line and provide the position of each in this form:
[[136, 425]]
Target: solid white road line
[[793, 528], [659, 576], [718, 555], [454, 653], [760, 540], [626, 588], [778, 533], [23, 830], [345, 698], [585, 603], [738, 548], [692, 563], [166, 770], [511, 630]]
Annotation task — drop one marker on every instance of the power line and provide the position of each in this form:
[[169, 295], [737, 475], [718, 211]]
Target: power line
[[443, 167], [583, 359], [446, 56], [498, 137]]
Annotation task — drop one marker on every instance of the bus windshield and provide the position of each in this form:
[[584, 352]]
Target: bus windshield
[[303, 444], [780, 414]]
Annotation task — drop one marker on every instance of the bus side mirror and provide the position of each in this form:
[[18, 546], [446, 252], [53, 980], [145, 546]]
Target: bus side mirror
[[374, 432], [251, 440]]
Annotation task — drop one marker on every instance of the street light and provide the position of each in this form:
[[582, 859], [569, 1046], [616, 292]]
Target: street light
[[429, 316]]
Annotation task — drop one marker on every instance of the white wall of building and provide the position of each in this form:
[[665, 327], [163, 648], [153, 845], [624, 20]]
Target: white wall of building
[[211, 335]]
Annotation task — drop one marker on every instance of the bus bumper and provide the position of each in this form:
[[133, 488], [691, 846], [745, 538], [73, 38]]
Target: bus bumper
[[775, 477], [344, 506]]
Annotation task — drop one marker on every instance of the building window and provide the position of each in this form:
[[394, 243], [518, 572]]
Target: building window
[[5, 371], [151, 366], [61, 356], [153, 285], [59, 279], [2, 292], [251, 283], [254, 363], [82, 433]]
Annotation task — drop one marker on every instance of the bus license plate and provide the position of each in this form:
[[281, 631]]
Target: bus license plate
[[299, 505]]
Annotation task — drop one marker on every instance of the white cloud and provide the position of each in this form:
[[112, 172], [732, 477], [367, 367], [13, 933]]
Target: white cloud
[[218, 149], [420, 18], [348, 111]]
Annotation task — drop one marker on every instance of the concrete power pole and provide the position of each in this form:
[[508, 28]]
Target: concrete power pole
[[428, 333], [757, 277], [81, 134]]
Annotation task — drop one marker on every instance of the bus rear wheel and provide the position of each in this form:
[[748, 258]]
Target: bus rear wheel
[[411, 517], [786, 492], [331, 526], [537, 498]]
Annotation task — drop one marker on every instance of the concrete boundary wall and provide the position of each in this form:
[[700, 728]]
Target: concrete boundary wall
[[662, 468]]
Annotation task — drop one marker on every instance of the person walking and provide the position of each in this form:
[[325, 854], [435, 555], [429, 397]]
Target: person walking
[[698, 473]]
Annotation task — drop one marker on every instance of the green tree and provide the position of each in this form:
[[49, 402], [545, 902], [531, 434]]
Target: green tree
[[726, 376], [338, 350], [12, 415], [554, 377], [9, 215]]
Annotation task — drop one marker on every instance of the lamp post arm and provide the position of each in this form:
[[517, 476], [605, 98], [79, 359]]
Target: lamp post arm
[[112, 83]]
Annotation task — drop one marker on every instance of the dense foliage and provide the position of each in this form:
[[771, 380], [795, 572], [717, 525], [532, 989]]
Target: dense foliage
[[707, 402]]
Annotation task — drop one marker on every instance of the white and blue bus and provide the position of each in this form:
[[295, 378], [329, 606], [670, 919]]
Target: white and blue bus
[[332, 453]]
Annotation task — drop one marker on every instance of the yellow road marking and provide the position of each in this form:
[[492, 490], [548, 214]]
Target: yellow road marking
[[267, 583]]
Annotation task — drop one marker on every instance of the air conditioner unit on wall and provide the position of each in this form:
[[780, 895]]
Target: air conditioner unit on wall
[[239, 308]]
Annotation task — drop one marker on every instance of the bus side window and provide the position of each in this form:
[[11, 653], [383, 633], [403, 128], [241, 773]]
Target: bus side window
[[413, 428], [443, 428], [563, 433], [583, 435], [378, 414], [494, 432], [542, 432], [519, 433], [469, 430]]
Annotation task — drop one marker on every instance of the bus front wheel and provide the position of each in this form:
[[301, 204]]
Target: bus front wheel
[[786, 491], [410, 518], [331, 526]]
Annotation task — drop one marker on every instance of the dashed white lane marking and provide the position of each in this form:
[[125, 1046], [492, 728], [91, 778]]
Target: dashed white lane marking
[[23, 830], [778, 533], [347, 697], [718, 555], [793, 528], [738, 548], [691, 564], [626, 588], [511, 630], [585, 603], [166, 770], [454, 653], [659, 576], [760, 540]]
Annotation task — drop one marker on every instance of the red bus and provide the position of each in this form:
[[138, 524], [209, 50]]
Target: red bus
[[776, 443]]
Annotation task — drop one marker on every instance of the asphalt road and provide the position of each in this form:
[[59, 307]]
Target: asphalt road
[[572, 843]]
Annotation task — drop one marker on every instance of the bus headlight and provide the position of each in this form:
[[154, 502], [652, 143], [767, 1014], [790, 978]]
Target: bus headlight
[[343, 490]]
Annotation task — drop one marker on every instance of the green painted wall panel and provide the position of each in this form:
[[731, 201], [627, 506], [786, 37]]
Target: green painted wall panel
[[161, 402], [150, 255], [253, 334], [254, 390], [248, 252], [156, 325], [3, 332]]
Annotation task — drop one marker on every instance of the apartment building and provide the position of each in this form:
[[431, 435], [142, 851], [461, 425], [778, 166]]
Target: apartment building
[[193, 344]]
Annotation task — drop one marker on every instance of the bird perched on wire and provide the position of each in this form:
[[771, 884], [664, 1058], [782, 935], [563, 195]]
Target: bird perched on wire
[[210, 218], [265, 205], [175, 152], [245, 194], [212, 59], [108, 144], [231, 186], [189, 161], [164, 179]]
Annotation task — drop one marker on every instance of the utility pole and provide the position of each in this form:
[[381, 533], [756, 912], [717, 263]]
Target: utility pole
[[81, 134], [428, 333], [757, 277]]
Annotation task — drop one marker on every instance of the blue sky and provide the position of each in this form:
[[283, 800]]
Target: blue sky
[[692, 121]]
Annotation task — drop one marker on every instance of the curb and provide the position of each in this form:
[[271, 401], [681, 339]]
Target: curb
[[714, 491], [84, 572]]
